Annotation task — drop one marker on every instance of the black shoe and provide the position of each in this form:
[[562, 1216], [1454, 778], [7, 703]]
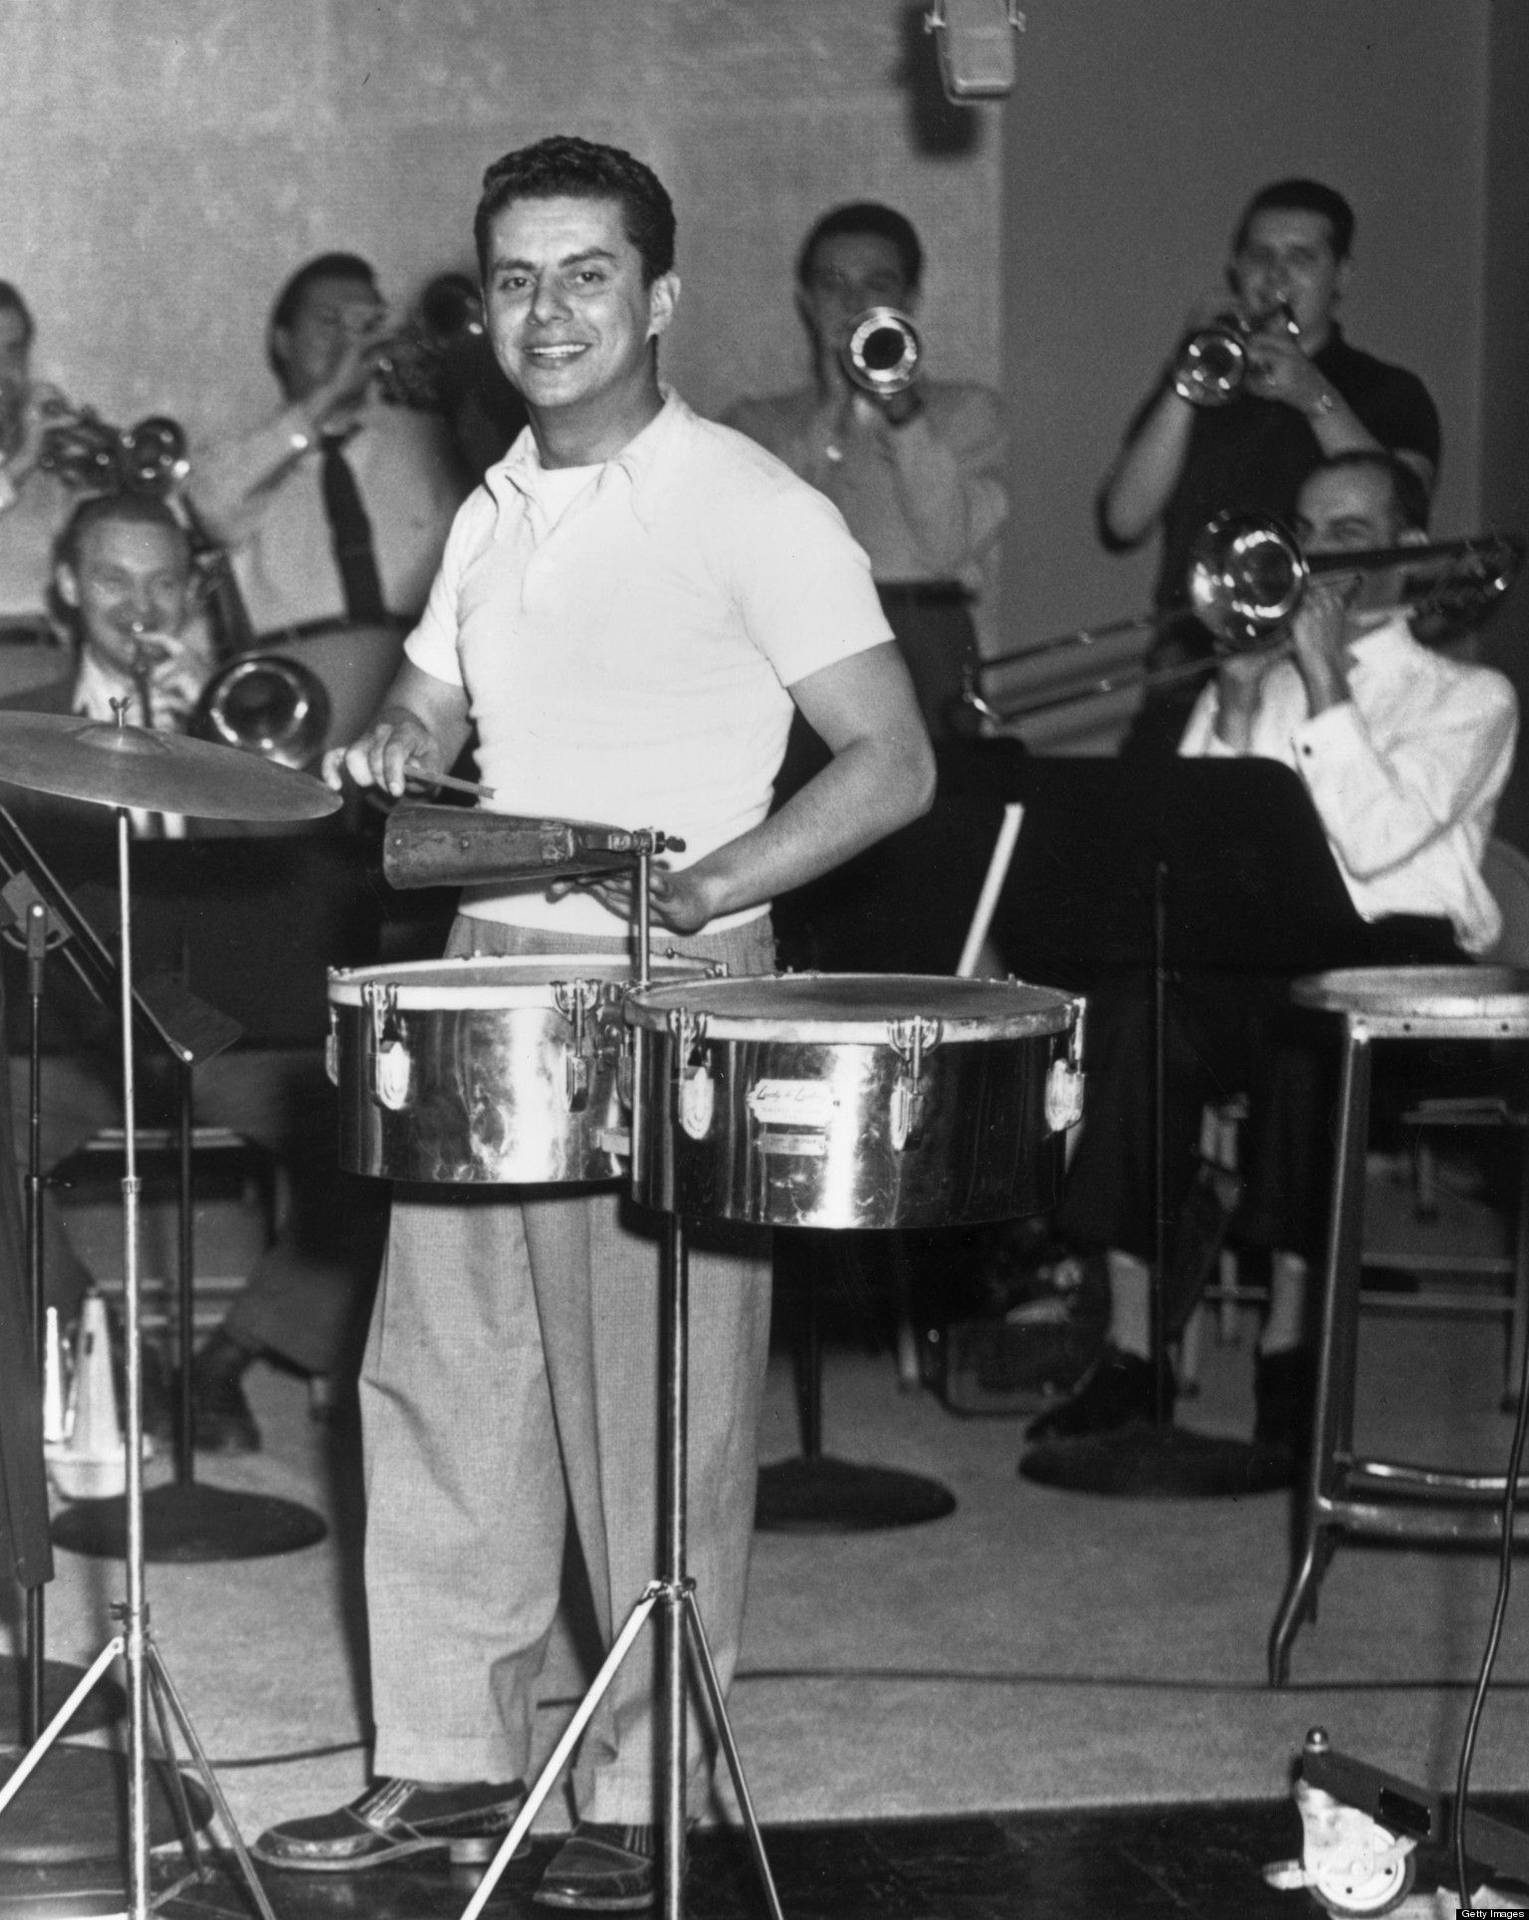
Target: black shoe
[[1285, 1401], [1118, 1390], [394, 1819], [221, 1421], [601, 1869]]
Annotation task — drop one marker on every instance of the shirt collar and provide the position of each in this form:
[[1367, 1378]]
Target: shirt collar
[[1372, 649], [514, 477]]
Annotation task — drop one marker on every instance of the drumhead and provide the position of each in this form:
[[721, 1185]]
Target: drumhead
[[850, 1008], [497, 980]]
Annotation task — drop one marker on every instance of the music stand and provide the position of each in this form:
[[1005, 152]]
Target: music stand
[[184, 1520], [1214, 865]]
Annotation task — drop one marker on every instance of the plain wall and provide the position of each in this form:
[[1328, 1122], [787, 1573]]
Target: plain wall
[[1133, 138], [168, 164]]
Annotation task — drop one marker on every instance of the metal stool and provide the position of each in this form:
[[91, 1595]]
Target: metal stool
[[1344, 1494]]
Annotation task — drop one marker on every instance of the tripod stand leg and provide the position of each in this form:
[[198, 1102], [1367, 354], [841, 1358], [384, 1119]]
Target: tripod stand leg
[[713, 1682], [180, 1805], [29, 1762], [547, 1779], [166, 1688]]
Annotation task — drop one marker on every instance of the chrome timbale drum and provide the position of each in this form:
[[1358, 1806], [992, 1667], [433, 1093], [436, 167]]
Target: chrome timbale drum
[[492, 1071], [855, 1100]]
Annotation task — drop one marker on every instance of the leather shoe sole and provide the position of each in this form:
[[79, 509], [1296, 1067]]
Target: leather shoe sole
[[393, 1821]]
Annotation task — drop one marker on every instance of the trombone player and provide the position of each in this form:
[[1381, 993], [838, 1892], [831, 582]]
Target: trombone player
[[1404, 753], [1304, 395]]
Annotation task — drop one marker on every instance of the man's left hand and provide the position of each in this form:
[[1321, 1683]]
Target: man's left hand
[[683, 902], [1279, 370]]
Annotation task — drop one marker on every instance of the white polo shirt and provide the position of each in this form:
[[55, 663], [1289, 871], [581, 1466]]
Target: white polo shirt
[[627, 653]]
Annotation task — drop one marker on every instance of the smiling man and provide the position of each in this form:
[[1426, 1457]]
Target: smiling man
[[627, 612], [1309, 394]]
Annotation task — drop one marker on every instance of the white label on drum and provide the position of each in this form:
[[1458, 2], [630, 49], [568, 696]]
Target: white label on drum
[[792, 1103]]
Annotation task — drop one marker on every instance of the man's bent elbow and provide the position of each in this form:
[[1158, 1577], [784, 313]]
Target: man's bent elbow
[[919, 778]]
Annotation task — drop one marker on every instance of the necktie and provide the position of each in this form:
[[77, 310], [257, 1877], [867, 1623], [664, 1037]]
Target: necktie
[[351, 531]]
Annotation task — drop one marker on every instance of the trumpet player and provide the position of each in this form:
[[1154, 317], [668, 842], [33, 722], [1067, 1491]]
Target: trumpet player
[[1404, 753], [916, 466], [1306, 395], [34, 502], [335, 507]]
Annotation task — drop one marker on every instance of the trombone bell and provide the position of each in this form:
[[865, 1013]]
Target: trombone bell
[[1246, 578]]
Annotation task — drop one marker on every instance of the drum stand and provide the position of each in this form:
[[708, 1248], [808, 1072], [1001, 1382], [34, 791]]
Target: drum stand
[[673, 1590], [134, 1643]]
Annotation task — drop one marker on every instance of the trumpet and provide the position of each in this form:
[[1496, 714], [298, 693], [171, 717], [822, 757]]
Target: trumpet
[[423, 365], [882, 351], [90, 456], [1247, 578], [1213, 363]]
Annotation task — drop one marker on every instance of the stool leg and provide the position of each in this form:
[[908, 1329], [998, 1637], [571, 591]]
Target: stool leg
[[1332, 1426], [1518, 1318]]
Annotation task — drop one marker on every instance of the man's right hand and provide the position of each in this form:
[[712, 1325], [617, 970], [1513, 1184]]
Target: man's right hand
[[397, 744], [333, 403]]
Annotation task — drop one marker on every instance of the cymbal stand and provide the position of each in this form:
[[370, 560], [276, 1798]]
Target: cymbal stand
[[134, 1643], [673, 1590]]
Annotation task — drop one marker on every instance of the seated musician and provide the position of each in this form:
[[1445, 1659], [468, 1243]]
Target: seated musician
[[1308, 394], [34, 502], [336, 507], [1404, 753], [124, 576], [919, 474]]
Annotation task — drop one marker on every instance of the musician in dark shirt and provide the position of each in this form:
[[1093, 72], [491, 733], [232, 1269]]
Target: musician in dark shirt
[[1307, 395]]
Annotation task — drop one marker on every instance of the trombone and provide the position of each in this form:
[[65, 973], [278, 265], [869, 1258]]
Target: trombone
[[1247, 576]]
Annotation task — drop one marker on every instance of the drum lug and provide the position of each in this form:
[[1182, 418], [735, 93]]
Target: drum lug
[[1064, 1081], [573, 999], [910, 1039], [392, 1065], [332, 1048], [697, 1094]]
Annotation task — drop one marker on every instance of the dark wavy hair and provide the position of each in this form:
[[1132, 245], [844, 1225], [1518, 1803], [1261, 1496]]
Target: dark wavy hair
[[564, 165], [1301, 196], [865, 216]]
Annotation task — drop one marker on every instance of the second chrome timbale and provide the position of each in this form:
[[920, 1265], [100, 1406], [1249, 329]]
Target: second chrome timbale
[[855, 1100]]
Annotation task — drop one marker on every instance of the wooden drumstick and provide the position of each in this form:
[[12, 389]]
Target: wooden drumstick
[[450, 780], [992, 887]]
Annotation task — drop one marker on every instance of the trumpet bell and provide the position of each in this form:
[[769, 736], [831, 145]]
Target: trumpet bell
[[267, 705], [1246, 578], [1211, 367], [882, 351]]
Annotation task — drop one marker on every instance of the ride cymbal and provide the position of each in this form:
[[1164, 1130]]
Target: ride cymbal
[[121, 766]]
